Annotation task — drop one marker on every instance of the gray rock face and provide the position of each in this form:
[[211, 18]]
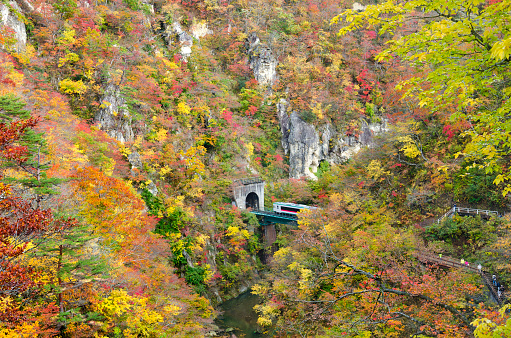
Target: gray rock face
[[304, 148], [307, 147], [9, 19], [114, 118], [136, 163], [261, 61], [135, 160], [184, 39]]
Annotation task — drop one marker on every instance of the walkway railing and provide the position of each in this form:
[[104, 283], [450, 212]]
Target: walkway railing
[[468, 211], [446, 261]]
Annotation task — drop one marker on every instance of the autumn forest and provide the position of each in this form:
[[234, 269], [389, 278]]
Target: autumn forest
[[128, 129]]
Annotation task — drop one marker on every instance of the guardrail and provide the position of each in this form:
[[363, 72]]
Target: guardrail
[[427, 257], [470, 211], [446, 261]]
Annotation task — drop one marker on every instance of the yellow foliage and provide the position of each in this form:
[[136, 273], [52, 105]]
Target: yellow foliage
[[12, 74], [486, 328], [263, 321], [259, 289], [25, 330], [237, 233], [174, 310], [208, 273], [318, 111], [5, 303], [305, 277], [266, 313], [69, 86], [282, 254], [67, 37], [183, 108], [170, 64], [250, 149], [69, 58], [119, 307], [294, 266], [124, 150], [177, 202], [241, 37], [375, 169], [161, 135], [25, 56], [408, 147], [200, 242]]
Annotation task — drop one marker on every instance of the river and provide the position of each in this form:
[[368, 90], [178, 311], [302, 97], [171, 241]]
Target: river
[[238, 314]]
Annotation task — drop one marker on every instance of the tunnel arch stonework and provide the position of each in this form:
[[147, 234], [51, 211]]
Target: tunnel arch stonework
[[245, 187]]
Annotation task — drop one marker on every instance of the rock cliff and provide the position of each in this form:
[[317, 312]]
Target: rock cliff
[[113, 117], [262, 61], [185, 39], [10, 12], [307, 146]]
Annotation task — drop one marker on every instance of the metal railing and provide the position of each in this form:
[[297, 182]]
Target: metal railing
[[427, 257], [468, 211]]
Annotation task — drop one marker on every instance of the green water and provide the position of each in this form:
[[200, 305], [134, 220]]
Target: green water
[[238, 314]]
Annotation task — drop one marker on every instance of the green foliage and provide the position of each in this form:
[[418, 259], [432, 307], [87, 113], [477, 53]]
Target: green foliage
[[323, 168], [154, 203], [196, 276], [66, 8], [35, 165], [172, 222], [96, 149], [475, 186], [370, 110], [286, 23], [132, 4], [11, 107], [231, 271], [464, 233]]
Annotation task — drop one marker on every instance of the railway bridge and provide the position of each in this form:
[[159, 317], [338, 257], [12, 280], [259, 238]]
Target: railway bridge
[[249, 194]]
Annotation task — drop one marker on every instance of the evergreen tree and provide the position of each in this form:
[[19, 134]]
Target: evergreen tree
[[34, 165]]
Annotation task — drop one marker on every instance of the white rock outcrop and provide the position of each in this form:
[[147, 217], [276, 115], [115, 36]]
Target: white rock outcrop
[[114, 117], [307, 146], [262, 61], [9, 18], [200, 30], [359, 7], [185, 40]]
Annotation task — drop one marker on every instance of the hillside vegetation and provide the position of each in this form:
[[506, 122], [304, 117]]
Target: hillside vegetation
[[125, 123]]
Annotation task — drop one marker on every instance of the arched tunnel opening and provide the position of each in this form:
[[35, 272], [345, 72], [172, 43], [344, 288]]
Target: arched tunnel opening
[[252, 201]]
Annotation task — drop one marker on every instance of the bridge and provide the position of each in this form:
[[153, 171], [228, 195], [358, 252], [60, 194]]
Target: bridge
[[248, 194], [268, 216], [450, 262]]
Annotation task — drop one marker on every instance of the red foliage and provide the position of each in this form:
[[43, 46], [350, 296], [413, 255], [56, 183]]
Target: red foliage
[[21, 222]]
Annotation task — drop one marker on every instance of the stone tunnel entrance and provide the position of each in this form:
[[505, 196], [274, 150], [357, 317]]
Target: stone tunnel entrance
[[252, 201], [249, 193]]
